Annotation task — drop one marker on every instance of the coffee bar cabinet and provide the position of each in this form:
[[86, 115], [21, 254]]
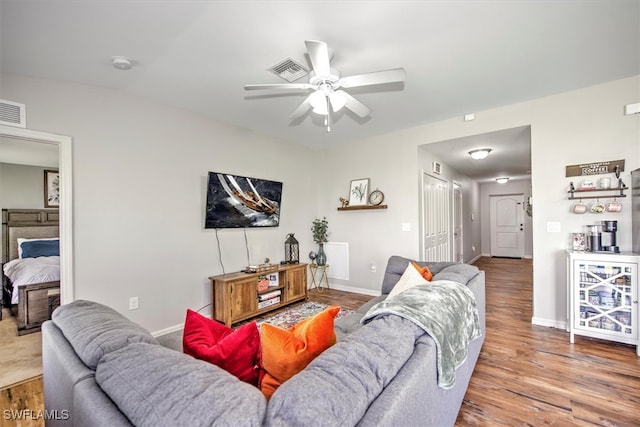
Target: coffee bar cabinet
[[603, 296], [240, 296]]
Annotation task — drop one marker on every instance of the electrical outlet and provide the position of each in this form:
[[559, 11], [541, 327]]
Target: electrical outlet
[[373, 267], [133, 303]]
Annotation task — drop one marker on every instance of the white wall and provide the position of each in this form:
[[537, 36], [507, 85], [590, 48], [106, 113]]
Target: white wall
[[581, 126], [139, 178], [140, 171]]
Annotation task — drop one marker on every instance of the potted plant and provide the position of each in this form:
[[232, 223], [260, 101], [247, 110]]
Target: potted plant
[[320, 231]]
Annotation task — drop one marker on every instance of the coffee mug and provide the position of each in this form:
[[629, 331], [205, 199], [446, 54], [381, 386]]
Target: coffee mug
[[579, 208], [597, 207], [614, 206]]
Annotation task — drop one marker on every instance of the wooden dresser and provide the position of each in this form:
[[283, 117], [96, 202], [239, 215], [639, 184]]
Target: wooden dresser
[[236, 297]]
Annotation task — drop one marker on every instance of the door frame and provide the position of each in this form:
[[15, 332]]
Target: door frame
[[455, 218], [522, 242], [66, 199]]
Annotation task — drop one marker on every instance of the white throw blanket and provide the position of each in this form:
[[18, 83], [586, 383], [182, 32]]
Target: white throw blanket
[[444, 309], [26, 271]]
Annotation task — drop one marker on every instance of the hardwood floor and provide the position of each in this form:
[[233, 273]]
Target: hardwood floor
[[526, 375], [531, 375]]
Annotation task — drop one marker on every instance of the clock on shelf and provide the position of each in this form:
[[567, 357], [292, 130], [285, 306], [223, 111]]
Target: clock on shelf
[[376, 197]]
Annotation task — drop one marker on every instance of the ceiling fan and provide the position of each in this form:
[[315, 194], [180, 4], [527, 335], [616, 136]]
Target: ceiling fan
[[326, 85]]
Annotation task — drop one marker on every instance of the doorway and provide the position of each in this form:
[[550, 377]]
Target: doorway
[[506, 225], [66, 203], [435, 219]]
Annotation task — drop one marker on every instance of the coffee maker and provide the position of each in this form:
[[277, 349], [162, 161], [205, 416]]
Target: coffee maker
[[596, 242], [609, 244]]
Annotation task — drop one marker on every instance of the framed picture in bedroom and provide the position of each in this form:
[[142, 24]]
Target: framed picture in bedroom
[[359, 192], [51, 189]]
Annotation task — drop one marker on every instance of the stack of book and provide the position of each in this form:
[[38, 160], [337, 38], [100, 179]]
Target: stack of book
[[269, 298]]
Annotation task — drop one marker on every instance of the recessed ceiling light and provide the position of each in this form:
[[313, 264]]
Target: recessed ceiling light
[[480, 153], [502, 180], [121, 63]]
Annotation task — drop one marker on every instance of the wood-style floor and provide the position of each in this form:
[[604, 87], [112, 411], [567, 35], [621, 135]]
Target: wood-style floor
[[530, 375], [526, 375]]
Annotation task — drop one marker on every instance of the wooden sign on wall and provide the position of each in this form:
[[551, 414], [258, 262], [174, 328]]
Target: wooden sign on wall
[[597, 168]]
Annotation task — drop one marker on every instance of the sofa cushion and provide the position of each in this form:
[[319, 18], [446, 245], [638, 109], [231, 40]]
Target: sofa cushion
[[94, 330], [235, 351], [156, 386], [287, 352], [461, 273], [337, 388]]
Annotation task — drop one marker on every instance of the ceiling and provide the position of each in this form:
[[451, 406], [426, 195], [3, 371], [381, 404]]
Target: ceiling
[[459, 56]]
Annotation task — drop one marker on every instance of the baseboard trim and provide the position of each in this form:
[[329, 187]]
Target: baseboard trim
[[355, 290], [474, 259], [168, 330], [549, 323]]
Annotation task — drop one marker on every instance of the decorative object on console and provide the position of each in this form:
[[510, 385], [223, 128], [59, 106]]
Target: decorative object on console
[[291, 250], [344, 202], [358, 192], [51, 189], [235, 201], [320, 230]]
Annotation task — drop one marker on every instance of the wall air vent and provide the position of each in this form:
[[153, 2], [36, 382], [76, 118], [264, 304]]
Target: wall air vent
[[12, 114], [289, 70]]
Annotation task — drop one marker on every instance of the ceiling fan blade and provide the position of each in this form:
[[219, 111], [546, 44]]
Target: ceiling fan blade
[[278, 86], [319, 55], [356, 106], [302, 109], [375, 78]]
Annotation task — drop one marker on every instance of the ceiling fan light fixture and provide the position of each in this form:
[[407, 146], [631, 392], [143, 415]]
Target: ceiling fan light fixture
[[502, 180], [338, 100], [480, 153], [318, 101]]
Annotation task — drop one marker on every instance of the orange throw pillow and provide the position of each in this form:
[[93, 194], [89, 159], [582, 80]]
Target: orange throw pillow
[[424, 271], [287, 352]]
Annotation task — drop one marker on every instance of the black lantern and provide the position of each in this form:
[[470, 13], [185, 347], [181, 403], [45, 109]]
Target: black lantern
[[291, 250]]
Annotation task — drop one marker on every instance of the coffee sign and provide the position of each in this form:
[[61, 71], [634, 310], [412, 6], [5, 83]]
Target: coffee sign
[[598, 168]]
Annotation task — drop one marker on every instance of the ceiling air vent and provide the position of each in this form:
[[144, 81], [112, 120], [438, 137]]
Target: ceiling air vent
[[289, 70], [12, 114]]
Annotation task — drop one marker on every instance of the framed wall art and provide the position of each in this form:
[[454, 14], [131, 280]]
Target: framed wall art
[[51, 189], [359, 192]]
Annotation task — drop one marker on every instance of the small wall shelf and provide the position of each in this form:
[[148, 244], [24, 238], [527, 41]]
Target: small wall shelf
[[365, 207], [577, 193]]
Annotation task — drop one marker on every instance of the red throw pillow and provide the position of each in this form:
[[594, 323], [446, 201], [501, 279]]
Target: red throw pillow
[[235, 351], [424, 272], [287, 352]]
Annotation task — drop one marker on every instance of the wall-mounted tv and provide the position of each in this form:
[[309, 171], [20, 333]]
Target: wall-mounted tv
[[235, 201]]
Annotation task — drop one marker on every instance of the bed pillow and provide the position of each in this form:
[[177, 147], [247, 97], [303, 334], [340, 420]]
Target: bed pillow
[[410, 278], [33, 248], [235, 351], [287, 352]]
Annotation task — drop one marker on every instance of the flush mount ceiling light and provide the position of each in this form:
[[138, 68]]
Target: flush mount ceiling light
[[121, 63], [502, 180], [480, 153]]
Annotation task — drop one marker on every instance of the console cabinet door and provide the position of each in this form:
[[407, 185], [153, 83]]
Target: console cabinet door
[[243, 298], [296, 283]]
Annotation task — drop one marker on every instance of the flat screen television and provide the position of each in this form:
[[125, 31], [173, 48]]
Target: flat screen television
[[235, 201]]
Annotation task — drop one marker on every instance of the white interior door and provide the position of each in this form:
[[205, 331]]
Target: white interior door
[[435, 208], [458, 255], [507, 225]]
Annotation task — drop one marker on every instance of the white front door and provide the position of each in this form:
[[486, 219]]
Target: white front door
[[435, 219], [507, 226], [458, 255]]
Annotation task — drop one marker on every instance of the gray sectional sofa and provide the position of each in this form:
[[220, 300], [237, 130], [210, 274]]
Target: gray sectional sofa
[[100, 369]]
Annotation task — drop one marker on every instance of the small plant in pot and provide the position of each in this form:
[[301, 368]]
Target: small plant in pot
[[320, 230]]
